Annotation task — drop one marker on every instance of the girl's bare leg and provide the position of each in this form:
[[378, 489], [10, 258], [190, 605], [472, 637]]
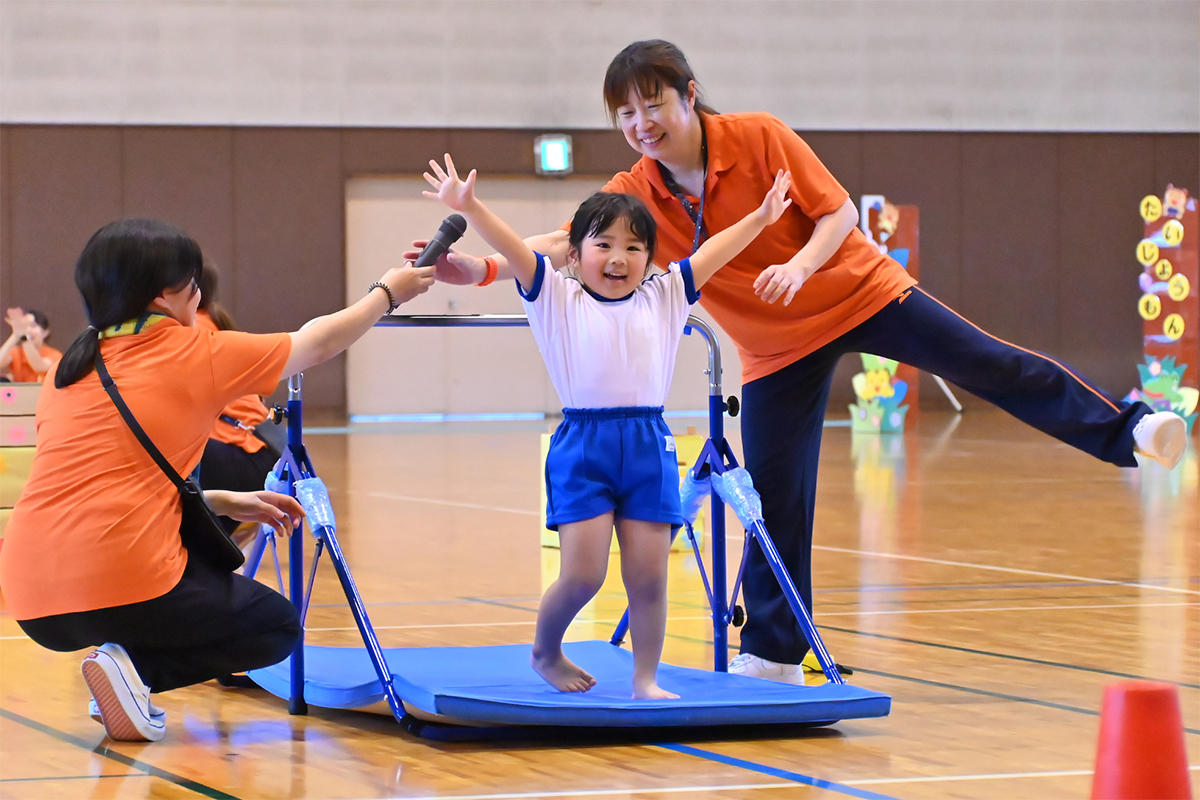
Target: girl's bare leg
[[584, 563], [644, 550]]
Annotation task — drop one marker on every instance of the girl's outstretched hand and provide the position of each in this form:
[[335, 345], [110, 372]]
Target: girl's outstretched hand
[[776, 200], [454, 192]]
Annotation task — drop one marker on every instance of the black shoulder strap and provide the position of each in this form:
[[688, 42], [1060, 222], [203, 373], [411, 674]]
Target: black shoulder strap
[[107, 382]]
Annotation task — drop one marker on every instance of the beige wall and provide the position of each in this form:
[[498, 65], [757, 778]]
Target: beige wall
[[958, 65], [467, 370]]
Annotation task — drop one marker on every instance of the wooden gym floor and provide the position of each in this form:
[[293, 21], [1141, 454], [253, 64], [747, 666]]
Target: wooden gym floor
[[990, 579]]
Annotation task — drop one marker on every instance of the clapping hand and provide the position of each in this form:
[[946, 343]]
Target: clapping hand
[[18, 320], [454, 192]]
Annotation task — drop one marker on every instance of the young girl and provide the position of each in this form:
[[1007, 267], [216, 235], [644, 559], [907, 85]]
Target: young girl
[[609, 338]]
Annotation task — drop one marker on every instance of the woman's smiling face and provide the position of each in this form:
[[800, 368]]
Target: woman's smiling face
[[657, 127]]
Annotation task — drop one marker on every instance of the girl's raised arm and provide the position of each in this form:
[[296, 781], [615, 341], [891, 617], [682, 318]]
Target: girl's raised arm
[[459, 195], [720, 248]]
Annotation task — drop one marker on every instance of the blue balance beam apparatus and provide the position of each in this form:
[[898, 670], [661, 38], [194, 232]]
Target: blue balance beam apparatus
[[447, 692]]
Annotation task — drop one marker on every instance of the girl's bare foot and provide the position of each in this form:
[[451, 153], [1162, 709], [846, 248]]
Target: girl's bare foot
[[651, 691], [562, 673]]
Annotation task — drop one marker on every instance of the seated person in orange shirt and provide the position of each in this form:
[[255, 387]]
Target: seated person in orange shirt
[[235, 458], [92, 554], [25, 357]]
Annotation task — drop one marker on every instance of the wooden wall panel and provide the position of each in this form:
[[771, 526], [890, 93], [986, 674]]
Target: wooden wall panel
[[842, 154], [1101, 180], [1010, 236], [379, 151], [6, 295], [66, 183], [288, 222], [1026, 234], [185, 176], [1177, 161], [602, 152], [924, 170]]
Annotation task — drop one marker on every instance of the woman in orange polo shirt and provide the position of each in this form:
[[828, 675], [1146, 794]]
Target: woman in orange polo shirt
[[92, 553], [810, 289]]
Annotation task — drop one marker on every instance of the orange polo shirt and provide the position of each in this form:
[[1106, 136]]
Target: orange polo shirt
[[248, 410], [23, 372], [97, 525], [744, 152]]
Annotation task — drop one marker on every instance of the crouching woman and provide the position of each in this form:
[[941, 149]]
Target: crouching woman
[[92, 555]]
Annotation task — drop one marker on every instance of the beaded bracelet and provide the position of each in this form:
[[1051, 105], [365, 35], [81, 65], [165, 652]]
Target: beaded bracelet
[[392, 304]]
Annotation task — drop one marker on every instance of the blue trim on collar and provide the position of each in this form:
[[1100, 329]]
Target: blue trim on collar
[[539, 276], [603, 299]]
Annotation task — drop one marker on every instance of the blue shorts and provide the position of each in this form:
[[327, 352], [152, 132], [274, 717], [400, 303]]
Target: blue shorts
[[612, 459]]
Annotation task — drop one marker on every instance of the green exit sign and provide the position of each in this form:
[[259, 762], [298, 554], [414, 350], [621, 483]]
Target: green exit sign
[[552, 154]]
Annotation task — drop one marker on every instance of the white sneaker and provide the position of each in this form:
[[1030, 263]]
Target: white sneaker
[[1161, 436], [94, 711], [751, 666], [121, 698]]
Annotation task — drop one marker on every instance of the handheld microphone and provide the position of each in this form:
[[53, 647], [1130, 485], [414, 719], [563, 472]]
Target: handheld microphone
[[452, 229]]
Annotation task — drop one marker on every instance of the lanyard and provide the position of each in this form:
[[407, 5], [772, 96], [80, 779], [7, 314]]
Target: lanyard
[[696, 215]]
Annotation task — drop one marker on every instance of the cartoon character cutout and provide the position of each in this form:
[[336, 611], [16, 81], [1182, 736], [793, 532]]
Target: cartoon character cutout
[[887, 221], [1174, 201]]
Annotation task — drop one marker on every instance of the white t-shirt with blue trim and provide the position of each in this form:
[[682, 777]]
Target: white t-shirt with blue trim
[[609, 353]]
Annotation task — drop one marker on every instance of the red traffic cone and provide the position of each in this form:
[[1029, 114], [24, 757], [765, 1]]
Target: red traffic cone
[[1141, 755]]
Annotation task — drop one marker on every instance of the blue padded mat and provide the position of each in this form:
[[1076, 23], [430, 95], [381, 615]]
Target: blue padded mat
[[496, 685]]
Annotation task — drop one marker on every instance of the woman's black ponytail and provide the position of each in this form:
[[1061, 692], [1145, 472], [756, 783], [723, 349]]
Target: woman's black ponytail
[[122, 269]]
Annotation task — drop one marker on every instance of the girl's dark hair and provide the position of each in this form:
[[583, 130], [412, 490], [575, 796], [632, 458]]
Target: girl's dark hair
[[207, 282], [602, 209], [123, 267], [648, 66]]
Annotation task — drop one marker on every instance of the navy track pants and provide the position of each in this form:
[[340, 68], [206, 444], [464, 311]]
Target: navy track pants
[[783, 414]]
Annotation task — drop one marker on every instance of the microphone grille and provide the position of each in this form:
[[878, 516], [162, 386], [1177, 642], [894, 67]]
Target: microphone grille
[[456, 222]]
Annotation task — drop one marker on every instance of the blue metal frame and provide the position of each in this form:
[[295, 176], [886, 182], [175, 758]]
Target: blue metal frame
[[716, 457]]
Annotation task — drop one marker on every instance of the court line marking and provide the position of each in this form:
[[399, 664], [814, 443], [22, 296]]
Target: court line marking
[[495, 624], [954, 687], [1066, 773], [997, 695], [1014, 570], [120, 758], [1006, 656], [706, 617], [437, 502], [74, 777], [600, 792], [1000, 608], [796, 777], [1074, 773]]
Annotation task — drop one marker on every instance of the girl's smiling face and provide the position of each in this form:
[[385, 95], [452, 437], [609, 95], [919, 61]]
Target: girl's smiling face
[[612, 262]]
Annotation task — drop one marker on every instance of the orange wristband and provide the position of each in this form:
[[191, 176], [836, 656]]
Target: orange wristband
[[492, 269]]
